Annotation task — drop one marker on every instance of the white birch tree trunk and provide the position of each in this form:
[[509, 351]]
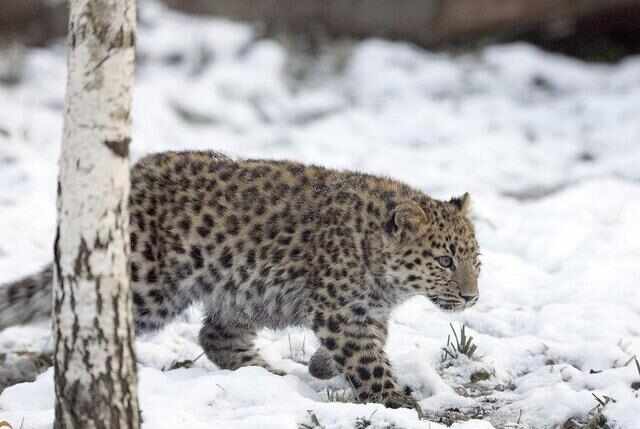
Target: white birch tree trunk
[[95, 372]]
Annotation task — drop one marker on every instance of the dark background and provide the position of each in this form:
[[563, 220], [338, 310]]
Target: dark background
[[599, 30]]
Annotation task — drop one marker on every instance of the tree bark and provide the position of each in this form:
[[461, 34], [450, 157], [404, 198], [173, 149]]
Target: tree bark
[[94, 362]]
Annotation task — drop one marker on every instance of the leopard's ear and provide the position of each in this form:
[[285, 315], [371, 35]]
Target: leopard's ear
[[463, 203], [406, 219]]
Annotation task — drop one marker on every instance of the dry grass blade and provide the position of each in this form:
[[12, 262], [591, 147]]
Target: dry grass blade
[[463, 337], [596, 418], [600, 401], [472, 350], [463, 344], [455, 334], [315, 423], [183, 363]]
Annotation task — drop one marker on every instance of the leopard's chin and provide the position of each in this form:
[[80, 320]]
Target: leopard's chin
[[448, 306], [469, 304]]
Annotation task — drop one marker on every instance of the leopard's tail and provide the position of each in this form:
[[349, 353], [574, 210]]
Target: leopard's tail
[[26, 300]]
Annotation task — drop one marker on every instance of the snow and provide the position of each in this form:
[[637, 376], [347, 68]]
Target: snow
[[548, 147]]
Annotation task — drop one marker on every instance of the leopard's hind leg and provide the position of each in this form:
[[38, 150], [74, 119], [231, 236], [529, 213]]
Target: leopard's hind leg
[[230, 346]]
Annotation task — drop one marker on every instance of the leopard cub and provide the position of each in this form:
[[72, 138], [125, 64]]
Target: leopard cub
[[275, 243]]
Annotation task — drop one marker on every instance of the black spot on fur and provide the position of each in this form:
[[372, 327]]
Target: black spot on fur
[[148, 252], [358, 310], [330, 343], [138, 300], [133, 238], [152, 277], [156, 295], [226, 259], [333, 325], [135, 272], [203, 231], [196, 255], [185, 225]]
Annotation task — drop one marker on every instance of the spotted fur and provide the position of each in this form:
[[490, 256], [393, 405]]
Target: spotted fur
[[276, 243]]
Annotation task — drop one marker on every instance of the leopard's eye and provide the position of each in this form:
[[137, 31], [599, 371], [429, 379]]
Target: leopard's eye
[[445, 261]]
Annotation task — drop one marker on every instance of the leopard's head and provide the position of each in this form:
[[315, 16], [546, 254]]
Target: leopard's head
[[433, 252]]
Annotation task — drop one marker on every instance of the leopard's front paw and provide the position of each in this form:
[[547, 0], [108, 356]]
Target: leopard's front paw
[[322, 366], [399, 399], [391, 396]]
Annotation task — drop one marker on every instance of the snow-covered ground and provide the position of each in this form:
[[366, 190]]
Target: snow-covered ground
[[549, 148]]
